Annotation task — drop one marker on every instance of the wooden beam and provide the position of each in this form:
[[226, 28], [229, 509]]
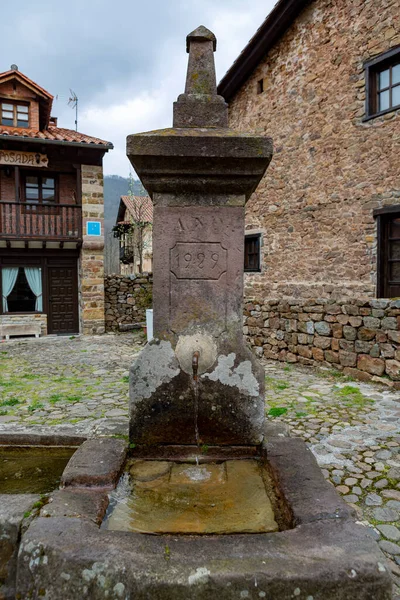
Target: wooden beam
[[26, 244], [8, 243], [44, 244], [78, 184], [16, 173], [61, 244]]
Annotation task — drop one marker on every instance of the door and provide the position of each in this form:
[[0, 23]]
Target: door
[[63, 300], [389, 256]]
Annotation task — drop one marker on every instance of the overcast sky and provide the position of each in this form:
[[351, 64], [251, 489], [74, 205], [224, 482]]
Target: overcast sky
[[126, 60]]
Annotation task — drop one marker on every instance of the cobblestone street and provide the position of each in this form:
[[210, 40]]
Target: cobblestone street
[[75, 384], [81, 385]]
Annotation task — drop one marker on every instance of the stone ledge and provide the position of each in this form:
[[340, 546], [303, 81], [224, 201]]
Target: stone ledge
[[96, 463], [291, 462], [78, 503], [327, 560], [13, 508]]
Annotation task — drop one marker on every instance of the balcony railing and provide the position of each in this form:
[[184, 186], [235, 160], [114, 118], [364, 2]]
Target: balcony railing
[[29, 221]]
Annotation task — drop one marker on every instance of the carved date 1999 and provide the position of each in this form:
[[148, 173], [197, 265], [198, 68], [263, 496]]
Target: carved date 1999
[[198, 260]]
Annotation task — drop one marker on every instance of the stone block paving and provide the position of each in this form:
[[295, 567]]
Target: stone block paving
[[80, 385]]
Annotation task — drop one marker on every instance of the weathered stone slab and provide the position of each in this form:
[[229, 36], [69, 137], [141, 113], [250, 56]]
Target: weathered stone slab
[[13, 507], [290, 462], [85, 504], [325, 560], [96, 463]]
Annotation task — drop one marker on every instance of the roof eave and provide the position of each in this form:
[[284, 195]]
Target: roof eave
[[121, 210], [276, 23], [22, 138]]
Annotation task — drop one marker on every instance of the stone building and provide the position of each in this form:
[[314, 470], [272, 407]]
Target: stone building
[[134, 230], [51, 217], [322, 78]]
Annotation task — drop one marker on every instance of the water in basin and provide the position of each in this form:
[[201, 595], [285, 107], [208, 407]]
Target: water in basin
[[32, 470], [163, 497]]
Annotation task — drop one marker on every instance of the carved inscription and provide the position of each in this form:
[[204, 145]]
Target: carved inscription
[[198, 260]]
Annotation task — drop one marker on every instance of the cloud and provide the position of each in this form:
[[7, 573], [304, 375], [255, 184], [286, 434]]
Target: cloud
[[125, 60]]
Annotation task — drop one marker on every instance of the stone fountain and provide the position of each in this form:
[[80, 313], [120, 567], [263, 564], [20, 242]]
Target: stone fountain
[[197, 396], [199, 175]]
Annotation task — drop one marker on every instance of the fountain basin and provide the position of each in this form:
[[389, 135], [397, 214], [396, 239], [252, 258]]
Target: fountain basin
[[183, 498], [30, 467], [325, 555]]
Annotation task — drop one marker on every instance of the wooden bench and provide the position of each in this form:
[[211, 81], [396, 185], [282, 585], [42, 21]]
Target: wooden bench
[[22, 329]]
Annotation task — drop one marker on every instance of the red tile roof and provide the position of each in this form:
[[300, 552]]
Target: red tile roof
[[140, 207], [56, 134], [15, 74]]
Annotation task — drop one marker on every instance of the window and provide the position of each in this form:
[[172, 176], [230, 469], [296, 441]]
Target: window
[[21, 289], [388, 272], [383, 83], [14, 115], [252, 248], [260, 86], [39, 189]]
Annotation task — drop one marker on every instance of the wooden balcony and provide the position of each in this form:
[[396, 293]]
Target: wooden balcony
[[44, 222]]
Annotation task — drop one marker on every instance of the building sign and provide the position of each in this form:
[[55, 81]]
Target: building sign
[[93, 228], [23, 159]]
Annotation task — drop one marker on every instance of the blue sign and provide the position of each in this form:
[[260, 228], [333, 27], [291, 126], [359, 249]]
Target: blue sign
[[93, 228]]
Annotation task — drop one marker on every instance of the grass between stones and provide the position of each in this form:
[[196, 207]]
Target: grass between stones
[[24, 393]]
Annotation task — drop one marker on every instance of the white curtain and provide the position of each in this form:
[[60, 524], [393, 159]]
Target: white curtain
[[8, 278], [34, 277]]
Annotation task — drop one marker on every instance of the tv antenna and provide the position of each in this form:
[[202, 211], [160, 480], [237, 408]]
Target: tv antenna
[[73, 103]]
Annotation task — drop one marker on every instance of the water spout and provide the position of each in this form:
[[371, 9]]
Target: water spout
[[195, 367], [195, 364]]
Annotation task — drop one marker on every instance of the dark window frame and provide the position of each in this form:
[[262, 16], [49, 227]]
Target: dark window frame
[[248, 238], [383, 217], [40, 202], [372, 68], [15, 104], [21, 264]]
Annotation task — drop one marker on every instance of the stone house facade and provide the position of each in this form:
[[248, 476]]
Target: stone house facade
[[135, 233], [322, 78], [51, 217]]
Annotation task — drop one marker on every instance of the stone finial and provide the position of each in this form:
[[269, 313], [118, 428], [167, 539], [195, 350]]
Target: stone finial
[[201, 34], [200, 105]]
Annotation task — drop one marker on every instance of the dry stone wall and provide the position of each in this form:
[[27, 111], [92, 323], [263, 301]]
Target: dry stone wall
[[330, 168], [359, 337], [126, 299]]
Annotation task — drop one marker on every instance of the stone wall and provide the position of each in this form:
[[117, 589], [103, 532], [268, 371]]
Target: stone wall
[[330, 168], [91, 264], [126, 299], [360, 337], [22, 320]]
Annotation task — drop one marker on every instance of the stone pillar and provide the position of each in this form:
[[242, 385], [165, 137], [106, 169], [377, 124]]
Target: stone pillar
[[91, 267], [199, 175]]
